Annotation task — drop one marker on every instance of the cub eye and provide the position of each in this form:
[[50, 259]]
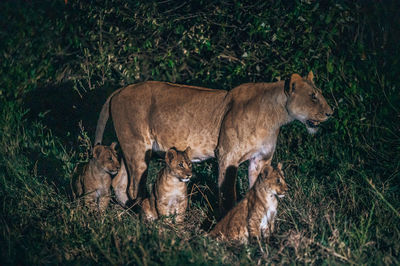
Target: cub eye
[[181, 164], [190, 164], [313, 97], [110, 158], [278, 180]]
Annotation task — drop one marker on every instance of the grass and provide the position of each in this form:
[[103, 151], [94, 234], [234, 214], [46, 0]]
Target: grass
[[58, 63]]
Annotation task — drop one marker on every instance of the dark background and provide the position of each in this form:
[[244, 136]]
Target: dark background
[[59, 60]]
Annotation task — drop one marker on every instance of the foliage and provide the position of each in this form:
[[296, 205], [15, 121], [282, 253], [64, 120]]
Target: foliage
[[60, 59]]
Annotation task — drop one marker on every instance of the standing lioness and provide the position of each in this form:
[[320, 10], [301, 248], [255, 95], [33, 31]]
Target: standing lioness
[[235, 126]]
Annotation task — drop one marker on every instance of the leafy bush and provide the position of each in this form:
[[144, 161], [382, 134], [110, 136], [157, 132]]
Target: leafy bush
[[59, 61]]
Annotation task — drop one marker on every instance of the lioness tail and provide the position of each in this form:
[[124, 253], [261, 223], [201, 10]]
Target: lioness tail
[[103, 118]]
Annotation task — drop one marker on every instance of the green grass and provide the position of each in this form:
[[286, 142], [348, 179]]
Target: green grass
[[58, 63]]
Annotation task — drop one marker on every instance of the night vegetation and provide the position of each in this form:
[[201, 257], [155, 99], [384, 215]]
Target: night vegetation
[[59, 60]]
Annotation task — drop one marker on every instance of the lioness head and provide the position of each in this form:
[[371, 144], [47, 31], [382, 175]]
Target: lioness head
[[106, 158], [274, 179], [179, 163], [306, 103]]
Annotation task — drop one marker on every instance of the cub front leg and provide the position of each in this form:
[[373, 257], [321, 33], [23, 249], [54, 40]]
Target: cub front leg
[[91, 199], [254, 226], [181, 210], [104, 200], [269, 229]]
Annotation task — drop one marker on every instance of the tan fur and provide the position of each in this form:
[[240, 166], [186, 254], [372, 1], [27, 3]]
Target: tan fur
[[169, 193], [120, 185], [254, 216], [235, 126], [95, 181]]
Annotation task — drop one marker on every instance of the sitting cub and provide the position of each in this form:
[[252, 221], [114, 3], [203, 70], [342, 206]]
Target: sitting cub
[[254, 215], [95, 181], [169, 193]]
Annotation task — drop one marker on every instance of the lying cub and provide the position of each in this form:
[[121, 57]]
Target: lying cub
[[95, 181], [169, 193], [254, 215]]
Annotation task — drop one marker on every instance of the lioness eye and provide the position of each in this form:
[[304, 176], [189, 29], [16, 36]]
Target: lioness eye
[[278, 180]]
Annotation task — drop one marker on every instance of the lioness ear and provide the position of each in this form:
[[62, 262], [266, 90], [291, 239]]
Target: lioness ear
[[188, 152], [295, 77], [97, 151], [113, 145], [310, 76], [170, 155]]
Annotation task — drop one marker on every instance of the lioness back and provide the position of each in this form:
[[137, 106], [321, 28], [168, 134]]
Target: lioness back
[[197, 113]]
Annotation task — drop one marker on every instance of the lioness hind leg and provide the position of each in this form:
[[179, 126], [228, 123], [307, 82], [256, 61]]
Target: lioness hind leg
[[137, 172], [120, 185]]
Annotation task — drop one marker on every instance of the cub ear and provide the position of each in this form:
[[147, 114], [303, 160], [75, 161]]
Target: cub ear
[[113, 145], [280, 166], [170, 155], [310, 76], [266, 170], [97, 150], [188, 152]]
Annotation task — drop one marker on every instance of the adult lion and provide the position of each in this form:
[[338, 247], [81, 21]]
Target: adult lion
[[235, 126]]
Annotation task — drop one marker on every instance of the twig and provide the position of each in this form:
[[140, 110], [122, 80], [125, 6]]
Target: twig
[[334, 253]]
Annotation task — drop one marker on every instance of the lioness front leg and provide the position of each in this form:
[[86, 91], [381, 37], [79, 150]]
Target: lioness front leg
[[255, 166]]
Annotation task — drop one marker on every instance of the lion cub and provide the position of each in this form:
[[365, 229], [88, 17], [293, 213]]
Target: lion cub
[[95, 181], [169, 193], [254, 215]]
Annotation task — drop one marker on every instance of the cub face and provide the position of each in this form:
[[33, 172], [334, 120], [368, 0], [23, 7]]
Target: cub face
[[179, 163], [106, 158], [274, 179]]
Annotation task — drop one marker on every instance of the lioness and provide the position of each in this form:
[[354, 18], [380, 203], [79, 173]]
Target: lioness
[[169, 193], [253, 217], [95, 181], [235, 126]]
